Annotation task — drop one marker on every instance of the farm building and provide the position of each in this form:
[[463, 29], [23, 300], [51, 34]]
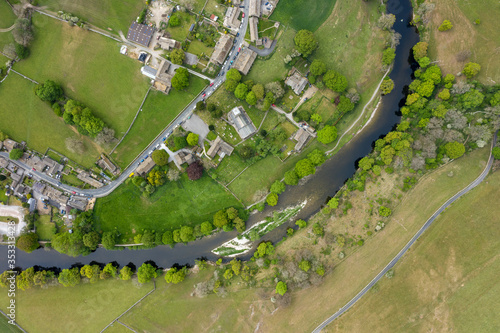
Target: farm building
[[140, 33]]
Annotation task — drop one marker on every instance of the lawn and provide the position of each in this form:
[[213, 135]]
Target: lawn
[[303, 14], [180, 32], [157, 112], [5, 38], [7, 16], [214, 7], [71, 179], [448, 281], [230, 167], [264, 71], [5, 327], [36, 123], [173, 205], [93, 306], [44, 228], [482, 40], [197, 47], [89, 67], [114, 14]]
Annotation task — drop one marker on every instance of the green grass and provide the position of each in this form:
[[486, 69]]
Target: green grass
[[93, 306], [173, 205], [230, 167], [72, 180], [44, 228], [27, 118], [214, 7], [7, 16], [5, 327], [89, 67], [114, 14], [157, 112], [180, 32], [264, 71], [197, 47], [452, 270], [303, 14], [5, 38]]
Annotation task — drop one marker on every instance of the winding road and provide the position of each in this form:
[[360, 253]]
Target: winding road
[[427, 224]]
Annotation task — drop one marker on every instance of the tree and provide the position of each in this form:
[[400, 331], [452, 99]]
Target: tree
[[230, 85], [305, 42], [386, 21], [28, 242], [177, 56], [278, 187], [239, 224], [91, 240], [366, 163], [305, 265], [192, 139], [110, 269], [22, 32], [496, 153], [160, 157], [301, 224], [200, 105], [387, 86], [241, 91], [333, 203], [106, 137], [304, 168], [108, 240], [195, 171], [232, 213], [174, 20], [168, 238], [444, 94], [16, 154], [345, 105], [420, 50], [316, 118], [91, 272], [187, 234], [220, 219], [335, 81], [173, 175], [327, 134], [384, 211], [207, 228], [179, 143], [291, 177], [146, 272], [22, 51], [180, 80], [251, 98], [424, 62], [258, 90], [471, 69], [318, 67], [472, 99], [3, 136], [264, 249], [275, 89], [446, 25], [49, 91], [233, 74], [175, 275], [318, 230], [41, 277], [388, 56], [69, 277], [317, 157], [272, 199], [126, 273], [25, 280], [281, 288], [454, 149], [246, 152]]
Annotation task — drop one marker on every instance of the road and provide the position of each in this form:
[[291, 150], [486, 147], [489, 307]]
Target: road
[[427, 224], [181, 118]]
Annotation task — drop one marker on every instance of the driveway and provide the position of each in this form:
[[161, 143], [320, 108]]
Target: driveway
[[14, 211], [197, 126], [264, 52]]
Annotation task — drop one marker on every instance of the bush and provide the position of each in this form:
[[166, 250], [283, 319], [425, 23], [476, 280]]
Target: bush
[[496, 153], [388, 56], [446, 25], [195, 171], [384, 211], [16, 154], [327, 134], [454, 149], [272, 199]]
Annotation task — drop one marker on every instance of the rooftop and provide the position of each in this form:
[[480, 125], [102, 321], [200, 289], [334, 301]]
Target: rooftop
[[140, 33], [296, 82], [222, 49], [220, 147], [241, 122], [145, 166], [245, 60]]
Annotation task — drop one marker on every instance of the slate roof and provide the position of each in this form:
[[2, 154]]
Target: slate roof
[[140, 33], [241, 122]]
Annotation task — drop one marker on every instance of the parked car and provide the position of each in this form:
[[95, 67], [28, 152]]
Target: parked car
[[243, 15], [211, 84], [234, 58], [141, 161], [164, 139], [204, 95], [238, 34], [231, 62], [239, 49], [157, 146]]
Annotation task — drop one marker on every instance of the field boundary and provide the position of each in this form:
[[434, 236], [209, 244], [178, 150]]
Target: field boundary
[[130, 308], [15, 322]]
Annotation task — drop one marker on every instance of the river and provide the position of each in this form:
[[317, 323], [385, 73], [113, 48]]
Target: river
[[327, 180]]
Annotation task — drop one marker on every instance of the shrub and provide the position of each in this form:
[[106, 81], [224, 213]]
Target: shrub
[[446, 25]]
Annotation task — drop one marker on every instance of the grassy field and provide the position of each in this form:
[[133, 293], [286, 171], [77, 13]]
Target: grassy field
[[93, 306], [180, 32], [264, 71], [157, 112], [303, 14], [482, 40], [44, 228], [27, 118], [89, 67], [5, 38], [5, 327], [197, 47], [214, 7], [7, 16], [454, 289], [114, 14], [172, 205]]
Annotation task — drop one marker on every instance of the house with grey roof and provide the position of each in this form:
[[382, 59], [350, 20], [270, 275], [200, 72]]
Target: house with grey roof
[[221, 50], [140, 34], [149, 72], [255, 7], [297, 82], [220, 147], [78, 203], [145, 167], [231, 19], [245, 60], [240, 120], [85, 177], [301, 136]]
